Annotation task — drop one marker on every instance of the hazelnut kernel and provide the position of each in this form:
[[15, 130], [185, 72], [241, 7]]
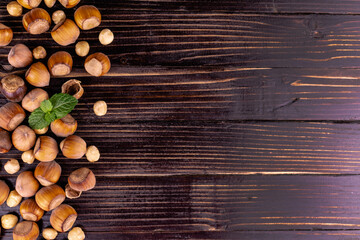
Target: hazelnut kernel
[[9, 221], [12, 166], [76, 234], [100, 108], [106, 36]]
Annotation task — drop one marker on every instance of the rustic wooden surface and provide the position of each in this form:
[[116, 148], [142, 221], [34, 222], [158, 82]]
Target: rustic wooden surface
[[227, 120]]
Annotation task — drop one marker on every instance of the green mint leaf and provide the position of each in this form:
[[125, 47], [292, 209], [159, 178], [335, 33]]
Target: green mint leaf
[[50, 116], [37, 119], [62, 104], [46, 106]]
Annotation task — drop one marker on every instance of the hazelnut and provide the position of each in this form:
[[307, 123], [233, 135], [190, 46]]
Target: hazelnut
[[49, 233], [41, 131], [4, 192], [23, 138], [92, 154], [46, 149], [82, 179], [49, 198], [13, 88], [20, 56], [100, 108], [76, 234], [14, 9], [28, 157], [6, 35], [29, 4], [106, 36], [50, 3], [36, 21], [26, 230], [64, 127], [82, 48], [30, 211], [5, 142], [65, 32], [97, 64], [71, 193], [9, 221], [47, 173], [73, 87], [60, 63], [87, 17], [26, 184], [63, 218], [38, 75], [73, 147], [11, 115], [14, 199], [69, 3], [33, 99], [58, 16], [12, 166], [39, 52]]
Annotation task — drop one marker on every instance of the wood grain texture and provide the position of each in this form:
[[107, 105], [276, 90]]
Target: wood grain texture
[[236, 204], [230, 93], [192, 38], [177, 148]]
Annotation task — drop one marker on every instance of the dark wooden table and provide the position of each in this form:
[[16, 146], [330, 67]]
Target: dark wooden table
[[227, 120]]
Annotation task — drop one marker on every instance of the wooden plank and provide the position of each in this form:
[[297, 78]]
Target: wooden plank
[[185, 204], [158, 93], [245, 148], [196, 38]]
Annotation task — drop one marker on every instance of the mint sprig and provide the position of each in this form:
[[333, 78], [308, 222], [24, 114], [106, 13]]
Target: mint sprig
[[58, 106]]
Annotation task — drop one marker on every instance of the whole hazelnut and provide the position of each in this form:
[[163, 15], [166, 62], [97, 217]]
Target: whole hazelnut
[[23, 138], [20, 56]]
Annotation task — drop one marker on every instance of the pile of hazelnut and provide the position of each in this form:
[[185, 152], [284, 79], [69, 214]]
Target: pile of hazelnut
[[50, 196]]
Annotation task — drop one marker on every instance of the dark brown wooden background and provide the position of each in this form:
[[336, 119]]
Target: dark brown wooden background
[[227, 120]]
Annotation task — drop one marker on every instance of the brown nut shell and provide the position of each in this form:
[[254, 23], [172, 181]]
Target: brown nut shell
[[33, 99], [82, 179], [64, 127], [20, 56], [69, 3], [5, 142], [23, 138], [71, 193], [13, 88], [65, 32], [30, 210], [11, 115], [97, 64], [49, 198], [6, 35], [38, 75], [26, 230], [4, 192], [63, 218], [87, 17], [45, 149], [47, 173], [73, 87], [26, 184], [73, 147], [60, 63], [36, 21], [29, 4]]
